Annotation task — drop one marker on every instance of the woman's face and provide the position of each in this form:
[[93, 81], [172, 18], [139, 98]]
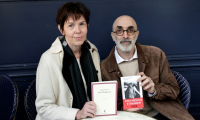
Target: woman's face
[[75, 31]]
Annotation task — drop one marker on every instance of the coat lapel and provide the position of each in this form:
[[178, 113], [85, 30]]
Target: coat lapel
[[142, 60], [113, 66]]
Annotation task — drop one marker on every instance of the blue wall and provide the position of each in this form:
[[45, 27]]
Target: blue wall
[[28, 28]]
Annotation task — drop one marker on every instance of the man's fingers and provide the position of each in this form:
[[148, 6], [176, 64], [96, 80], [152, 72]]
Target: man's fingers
[[142, 78], [145, 82], [141, 73], [147, 87]]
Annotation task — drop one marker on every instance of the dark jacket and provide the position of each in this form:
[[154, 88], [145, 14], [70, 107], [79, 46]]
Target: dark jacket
[[153, 62]]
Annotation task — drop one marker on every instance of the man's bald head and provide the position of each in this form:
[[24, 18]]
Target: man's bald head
[[125, 34], [124, 21]]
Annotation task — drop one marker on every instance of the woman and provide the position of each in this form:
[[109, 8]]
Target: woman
[[66, 70]]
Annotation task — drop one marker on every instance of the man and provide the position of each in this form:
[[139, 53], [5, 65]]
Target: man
[[129, 58]]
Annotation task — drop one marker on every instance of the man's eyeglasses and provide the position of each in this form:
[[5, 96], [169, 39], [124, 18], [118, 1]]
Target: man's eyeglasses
[[120, 31]]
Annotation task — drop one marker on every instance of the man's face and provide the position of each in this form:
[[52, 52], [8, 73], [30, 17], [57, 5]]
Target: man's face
[[125, 42]]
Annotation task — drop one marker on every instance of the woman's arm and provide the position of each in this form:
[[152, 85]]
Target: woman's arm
[[46, 101]]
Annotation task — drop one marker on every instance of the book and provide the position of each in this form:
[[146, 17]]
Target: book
[[132, 92], [104, 95]]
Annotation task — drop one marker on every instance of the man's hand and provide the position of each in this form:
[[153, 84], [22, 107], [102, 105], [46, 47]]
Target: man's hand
[[146, 83], [88, 110], [133, 109]]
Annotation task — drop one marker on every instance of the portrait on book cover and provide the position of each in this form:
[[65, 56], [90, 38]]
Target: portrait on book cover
[[132, 90]]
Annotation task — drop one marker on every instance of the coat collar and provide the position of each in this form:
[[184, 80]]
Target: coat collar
[[142, 60], [56, 46]]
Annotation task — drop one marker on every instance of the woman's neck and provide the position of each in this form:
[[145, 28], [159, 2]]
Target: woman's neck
[[76, 50]]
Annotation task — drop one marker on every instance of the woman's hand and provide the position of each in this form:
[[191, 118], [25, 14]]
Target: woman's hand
[[88, 110]]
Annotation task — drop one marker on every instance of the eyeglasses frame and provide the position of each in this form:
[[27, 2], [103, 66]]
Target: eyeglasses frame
[[126, 32]]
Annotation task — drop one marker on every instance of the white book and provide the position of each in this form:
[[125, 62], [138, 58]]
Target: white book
[[132, 92], [104, 95]]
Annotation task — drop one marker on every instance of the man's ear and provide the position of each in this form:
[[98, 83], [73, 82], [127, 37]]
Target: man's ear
[[61, 31], [138, 34], [112, 36], [87, 25]]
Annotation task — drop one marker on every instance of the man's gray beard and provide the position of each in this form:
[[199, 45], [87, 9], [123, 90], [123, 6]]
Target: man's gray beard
[[125, 48]]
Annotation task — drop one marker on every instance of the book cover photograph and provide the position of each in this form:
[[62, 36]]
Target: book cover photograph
[[131, 92], [104, 95]]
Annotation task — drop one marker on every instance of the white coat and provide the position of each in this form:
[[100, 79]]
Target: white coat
[[54, 98]]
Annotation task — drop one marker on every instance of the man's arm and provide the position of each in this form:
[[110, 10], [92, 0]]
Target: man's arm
[[166, 87]]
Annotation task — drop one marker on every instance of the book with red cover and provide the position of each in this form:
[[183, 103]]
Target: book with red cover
[[104, 95], [132, 92]]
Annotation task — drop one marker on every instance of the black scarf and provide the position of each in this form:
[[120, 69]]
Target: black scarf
[[72, 74]]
